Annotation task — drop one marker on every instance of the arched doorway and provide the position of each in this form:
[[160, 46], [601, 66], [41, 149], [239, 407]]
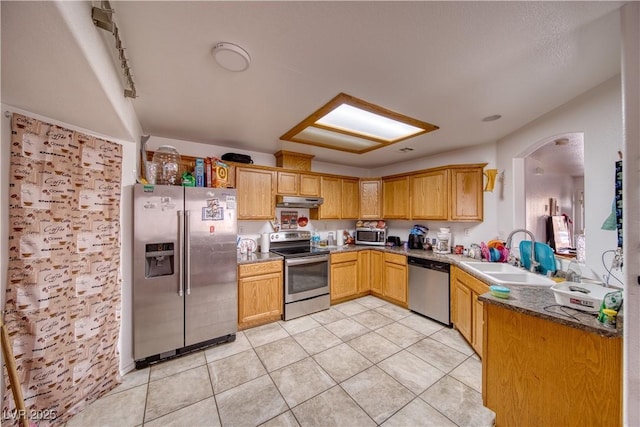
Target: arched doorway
[[551, 176]]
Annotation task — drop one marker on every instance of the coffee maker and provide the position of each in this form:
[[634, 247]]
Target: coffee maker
[[443, 241], [416, 241], [416, 236]]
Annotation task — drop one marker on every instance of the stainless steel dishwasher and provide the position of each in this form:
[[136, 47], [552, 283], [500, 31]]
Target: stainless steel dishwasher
[[429, 289]]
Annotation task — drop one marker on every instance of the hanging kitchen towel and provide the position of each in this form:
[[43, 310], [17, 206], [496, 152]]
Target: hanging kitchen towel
[[610, 222]]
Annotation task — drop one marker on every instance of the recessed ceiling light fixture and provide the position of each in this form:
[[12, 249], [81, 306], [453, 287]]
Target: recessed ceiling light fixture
[[231, 57], [350, 124], [492, 118]]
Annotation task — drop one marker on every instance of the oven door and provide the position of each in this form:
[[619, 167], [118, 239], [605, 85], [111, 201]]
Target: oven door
[[305, 277]]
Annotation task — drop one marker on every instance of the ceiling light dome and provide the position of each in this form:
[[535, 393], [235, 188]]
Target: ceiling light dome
[[231, 57]]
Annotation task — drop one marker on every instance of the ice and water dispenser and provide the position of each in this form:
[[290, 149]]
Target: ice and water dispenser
[[159, 260]]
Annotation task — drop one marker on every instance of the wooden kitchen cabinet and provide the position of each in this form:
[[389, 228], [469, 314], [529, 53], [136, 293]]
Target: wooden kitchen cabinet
[[447, 193], [298, 184], [331, 192], [288, 183], [467, 194], [394, 286], [364, 272], [377, 272], [256, 193], [466, 310], [395, 197], [538, 372], [429, 193], [370, 199], [344, 276], [309, 185], [462, 306], [478, 323], [259, 293], [350, 199]]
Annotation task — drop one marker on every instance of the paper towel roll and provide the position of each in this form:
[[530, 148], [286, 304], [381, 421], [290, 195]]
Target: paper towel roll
[[264, 243], [339, 237]]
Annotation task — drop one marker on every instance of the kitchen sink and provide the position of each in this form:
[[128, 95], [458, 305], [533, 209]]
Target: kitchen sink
[[493, 267], [521, 278], [496, 273]]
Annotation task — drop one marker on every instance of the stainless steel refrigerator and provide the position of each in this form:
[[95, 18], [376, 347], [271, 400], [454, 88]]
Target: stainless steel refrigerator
[[184, 272]]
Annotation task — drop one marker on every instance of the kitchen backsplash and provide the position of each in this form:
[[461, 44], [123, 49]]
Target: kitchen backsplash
[[463, 233]]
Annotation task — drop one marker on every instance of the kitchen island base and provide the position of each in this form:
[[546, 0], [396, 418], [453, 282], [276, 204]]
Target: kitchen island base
[[536, 372]]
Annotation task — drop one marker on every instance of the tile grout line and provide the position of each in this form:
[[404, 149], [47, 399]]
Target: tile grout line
[[307, 354], [213, 389], [146, 398]]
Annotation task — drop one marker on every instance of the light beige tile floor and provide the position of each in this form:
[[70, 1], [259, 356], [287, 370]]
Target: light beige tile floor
[[360, 363]]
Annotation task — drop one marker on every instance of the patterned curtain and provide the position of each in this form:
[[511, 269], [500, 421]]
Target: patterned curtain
[[63, 289]]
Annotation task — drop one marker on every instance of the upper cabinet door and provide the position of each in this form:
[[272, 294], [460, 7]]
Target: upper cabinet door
[[288, 183], [309, 185], [370, 199], [256, 193], [466, 194], [395, 198], [350, 198], [430, 195], [331, 190]]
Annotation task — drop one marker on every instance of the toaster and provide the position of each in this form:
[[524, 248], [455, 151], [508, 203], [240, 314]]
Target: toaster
[[394, 240]]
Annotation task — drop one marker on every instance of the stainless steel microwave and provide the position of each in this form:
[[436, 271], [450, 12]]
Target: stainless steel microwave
[[371, 236]]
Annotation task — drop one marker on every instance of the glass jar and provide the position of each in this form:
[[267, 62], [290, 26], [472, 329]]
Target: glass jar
[[167, 158]]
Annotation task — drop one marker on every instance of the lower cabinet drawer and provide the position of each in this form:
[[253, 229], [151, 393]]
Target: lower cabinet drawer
[[245, 270]]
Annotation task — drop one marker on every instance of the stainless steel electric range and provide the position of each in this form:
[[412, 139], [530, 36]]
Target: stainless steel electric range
[[306, 273]]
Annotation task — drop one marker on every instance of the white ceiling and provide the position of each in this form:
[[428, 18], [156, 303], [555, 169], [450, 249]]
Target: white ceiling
[[562, 155], [447, 63]]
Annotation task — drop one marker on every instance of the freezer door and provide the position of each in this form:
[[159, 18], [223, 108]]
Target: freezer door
[[211, 300], [158, 307]]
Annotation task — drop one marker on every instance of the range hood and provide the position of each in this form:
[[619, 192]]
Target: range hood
[[298, 202]]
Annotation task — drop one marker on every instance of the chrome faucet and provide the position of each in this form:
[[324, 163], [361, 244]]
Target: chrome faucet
[[534, 264]]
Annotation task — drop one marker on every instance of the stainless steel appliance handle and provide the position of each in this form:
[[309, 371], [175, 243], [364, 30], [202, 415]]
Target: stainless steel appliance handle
[[306, 260], [187, 258], [180, 250]]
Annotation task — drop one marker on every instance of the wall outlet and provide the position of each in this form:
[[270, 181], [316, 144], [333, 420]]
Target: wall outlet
[[467, 231], [240, 230]]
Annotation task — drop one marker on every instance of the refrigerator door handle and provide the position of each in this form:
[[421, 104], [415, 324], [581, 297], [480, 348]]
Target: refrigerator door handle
[[187, 244], [181, 250]]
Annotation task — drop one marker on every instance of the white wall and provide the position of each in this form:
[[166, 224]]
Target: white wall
[[631, 218], [597, 113]]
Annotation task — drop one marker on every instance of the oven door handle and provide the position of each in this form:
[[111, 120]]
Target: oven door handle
[[306, 260]]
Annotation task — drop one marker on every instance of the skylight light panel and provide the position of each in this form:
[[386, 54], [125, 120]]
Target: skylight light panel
[[356, 120], [350, 124]]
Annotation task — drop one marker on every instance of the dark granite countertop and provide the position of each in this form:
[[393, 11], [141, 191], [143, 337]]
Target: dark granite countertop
[[536, 301], [540, 302]]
